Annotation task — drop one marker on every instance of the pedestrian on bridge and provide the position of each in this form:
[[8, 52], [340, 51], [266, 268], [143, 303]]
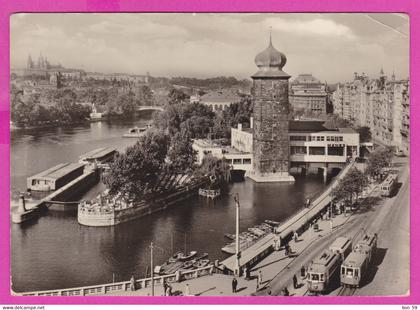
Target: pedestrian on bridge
[[295, 282], [165, 288], [187, 290], [295, 236], [260, 278], [234, 285], [132, 283]]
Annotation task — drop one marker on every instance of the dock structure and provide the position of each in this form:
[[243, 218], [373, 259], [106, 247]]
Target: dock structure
[[55, 177], [98, 156], [298, 222], [57, 200]]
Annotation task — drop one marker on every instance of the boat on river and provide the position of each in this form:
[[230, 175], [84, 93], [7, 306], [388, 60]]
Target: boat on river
[[181, 261], [136, 132], [201, 263], [184, 257], [247, 238]]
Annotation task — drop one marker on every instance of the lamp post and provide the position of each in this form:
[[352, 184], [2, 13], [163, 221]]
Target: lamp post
[[237, 270], [152, 269]]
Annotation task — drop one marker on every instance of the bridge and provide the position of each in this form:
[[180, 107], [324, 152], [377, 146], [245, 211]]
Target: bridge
[[150, 108]]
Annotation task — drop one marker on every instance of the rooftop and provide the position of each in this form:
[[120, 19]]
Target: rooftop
[[307, 126], [58, 171], [98, 153]]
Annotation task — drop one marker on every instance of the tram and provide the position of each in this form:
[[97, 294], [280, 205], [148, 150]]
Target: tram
[[356, 265], [389, 184], [324, 270]]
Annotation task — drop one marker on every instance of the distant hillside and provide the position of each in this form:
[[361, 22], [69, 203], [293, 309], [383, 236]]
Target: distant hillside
[[220, 82]]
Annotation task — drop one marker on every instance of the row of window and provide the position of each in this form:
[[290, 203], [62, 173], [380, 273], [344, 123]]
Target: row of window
[[316, 138], [239, 161], [317, 150]]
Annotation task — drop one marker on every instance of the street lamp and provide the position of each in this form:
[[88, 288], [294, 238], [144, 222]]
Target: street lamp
[[237, 270], [152, 271]]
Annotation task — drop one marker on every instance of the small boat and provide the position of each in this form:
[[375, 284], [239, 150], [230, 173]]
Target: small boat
[[201, 263], [136, 132], [189, 264], [174, 258], [202, 256], [158, 270], [182, 257], [272, 223], [256, 231], [230, 236]]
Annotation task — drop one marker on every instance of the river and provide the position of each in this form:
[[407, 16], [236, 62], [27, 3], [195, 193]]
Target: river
[[54, 251]]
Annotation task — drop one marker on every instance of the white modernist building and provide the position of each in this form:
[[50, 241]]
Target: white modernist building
[[311, 147]]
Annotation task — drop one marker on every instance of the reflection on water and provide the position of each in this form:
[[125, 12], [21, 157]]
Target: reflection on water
[[56, 252]]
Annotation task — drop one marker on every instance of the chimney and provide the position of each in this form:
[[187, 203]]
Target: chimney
[[251, 122], [240, 127]]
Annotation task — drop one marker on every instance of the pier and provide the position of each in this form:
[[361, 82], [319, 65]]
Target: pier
[[57, 199]]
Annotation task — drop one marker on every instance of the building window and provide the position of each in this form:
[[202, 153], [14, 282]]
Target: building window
[[297, 138], [237, 161], [298, 150], [247, 161], [336, 150], [316, 150]]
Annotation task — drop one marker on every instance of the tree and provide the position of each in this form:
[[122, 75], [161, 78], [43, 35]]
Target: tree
[[350, 186], [364, 134], [137, 171], [145, 95], [181, 155], [334, 121], [215, 168], [127, 104], [220, 127], [239, 112], [378, 160], [176, 96], [60, 80], [195, 118]]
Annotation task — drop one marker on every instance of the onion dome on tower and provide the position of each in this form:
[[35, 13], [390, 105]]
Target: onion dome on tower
[[270, 63]]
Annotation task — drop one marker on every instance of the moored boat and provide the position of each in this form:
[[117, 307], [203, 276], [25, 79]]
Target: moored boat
[[189, 264], [184, 257], [201, 263], [136, 132]]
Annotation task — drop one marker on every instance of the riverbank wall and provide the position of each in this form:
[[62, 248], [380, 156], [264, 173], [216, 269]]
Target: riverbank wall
[[103, 289]]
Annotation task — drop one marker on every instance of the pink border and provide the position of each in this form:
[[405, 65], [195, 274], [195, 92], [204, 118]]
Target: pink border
[[412, 7]]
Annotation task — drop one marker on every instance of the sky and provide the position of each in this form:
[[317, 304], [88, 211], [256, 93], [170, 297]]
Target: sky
[[330, 46]]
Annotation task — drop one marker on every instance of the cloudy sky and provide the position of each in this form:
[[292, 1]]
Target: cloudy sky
[[330, 46]]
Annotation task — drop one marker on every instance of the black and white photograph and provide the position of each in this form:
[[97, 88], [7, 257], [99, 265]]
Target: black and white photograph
[[209, 154]]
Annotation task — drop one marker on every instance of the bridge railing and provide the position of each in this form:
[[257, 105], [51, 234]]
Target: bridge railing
[[103, 289]]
